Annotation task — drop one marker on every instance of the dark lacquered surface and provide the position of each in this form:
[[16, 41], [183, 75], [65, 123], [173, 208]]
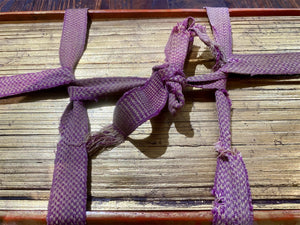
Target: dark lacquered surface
[[42, 5]]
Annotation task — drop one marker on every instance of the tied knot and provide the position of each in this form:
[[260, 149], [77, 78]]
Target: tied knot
[[186, 24], [224, 152], [213, 46], [174, 81]]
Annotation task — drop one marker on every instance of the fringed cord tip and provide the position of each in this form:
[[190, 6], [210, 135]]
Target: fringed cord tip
[[107, 138]]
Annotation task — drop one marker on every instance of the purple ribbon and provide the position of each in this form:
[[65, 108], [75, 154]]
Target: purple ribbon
[[142, 100]]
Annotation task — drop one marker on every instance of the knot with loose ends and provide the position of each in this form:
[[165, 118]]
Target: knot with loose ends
[[174, 81], [213, 46], [223, 152]]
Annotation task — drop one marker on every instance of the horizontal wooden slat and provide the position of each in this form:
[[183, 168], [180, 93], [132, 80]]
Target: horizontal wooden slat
[[168, 163]]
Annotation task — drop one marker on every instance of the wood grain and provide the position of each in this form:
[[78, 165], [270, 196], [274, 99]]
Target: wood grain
[[168, 163], [179, 4]]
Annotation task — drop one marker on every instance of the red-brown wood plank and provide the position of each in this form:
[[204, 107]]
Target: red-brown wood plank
[[42, 5], [143, 13], [281, 217]]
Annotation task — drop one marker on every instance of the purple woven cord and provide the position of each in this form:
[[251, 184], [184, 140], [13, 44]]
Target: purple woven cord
[[68, 195], [143, 100], [232, 191], [24, 83], [264, 64], [71, 48], [233, 203], [67, 203]]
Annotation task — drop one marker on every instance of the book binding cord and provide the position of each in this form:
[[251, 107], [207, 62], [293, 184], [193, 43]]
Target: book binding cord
[[142, 100]]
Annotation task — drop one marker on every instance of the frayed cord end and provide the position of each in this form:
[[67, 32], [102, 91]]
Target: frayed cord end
[[218, 208], [106, 139], [225, 152]]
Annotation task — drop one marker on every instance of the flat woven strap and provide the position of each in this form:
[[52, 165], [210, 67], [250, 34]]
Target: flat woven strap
[[163, 88], [142, 103], [67, 203], [233, 203], [231, 188], [68, 198], [24, 83], [221, 27], [73, 37], [264, 64], [71, 49]]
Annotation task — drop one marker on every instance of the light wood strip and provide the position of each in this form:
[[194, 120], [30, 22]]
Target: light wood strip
[[173, 168]]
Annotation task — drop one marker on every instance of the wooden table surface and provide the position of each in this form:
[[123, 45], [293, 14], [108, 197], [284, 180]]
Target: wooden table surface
[[40, 5]]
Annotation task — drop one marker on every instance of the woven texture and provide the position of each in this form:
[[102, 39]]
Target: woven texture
[[231, 188], [67, 203], [23, 83], [68, 192], [264, 64], [144, 99], [233, 203]]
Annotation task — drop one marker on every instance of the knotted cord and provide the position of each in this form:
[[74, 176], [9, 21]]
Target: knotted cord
[[143, 99]]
